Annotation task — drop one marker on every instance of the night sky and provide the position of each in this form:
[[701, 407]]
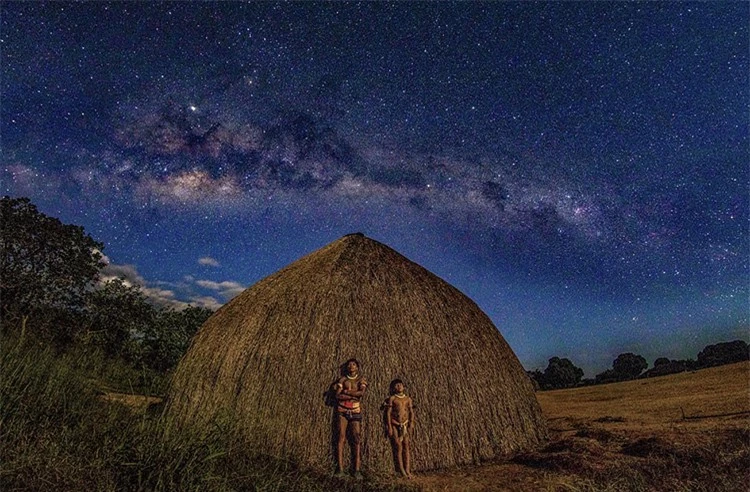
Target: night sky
[[580, 170]]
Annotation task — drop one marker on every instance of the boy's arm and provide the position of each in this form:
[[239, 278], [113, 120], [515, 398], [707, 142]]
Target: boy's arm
[[388, 416]]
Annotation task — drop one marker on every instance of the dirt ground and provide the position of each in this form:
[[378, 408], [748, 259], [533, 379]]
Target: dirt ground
[[136, 402], [636, 435]]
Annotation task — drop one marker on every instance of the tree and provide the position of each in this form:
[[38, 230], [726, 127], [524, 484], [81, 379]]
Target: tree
[[536, 378], [45, 265], [625, 367], [123, 323], [723, 353], [664, 366], [607, 376], [166, 341], [560, 373], [628, 366], [118, 317]]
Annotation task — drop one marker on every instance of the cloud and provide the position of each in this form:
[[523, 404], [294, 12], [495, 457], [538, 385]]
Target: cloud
[[163, 298], [226, 289], [208, 261], [131, 278], [205, 302], [159, 296], [128, 273]]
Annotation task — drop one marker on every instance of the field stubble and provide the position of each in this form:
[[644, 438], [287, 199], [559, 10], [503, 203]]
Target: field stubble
[[683, 432]]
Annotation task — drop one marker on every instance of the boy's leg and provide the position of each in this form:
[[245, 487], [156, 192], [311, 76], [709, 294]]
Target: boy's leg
[[407, 456], [398, 451], [340, 443]]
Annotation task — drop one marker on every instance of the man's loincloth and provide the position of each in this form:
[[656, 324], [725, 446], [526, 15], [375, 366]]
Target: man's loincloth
[[350, 416]]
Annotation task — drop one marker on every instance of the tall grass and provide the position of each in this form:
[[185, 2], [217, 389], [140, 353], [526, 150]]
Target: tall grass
[[57, 433]]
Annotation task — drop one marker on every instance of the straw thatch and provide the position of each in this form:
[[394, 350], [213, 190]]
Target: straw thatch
[[266, 358]]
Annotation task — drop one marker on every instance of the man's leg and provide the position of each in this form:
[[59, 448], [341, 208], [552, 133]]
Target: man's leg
[[356, 448], [340, 443]]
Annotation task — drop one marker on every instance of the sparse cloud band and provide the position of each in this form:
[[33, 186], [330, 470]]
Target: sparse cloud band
[[208, 261]]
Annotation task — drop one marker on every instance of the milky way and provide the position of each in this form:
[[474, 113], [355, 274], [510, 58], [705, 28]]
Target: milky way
[[580, 170]]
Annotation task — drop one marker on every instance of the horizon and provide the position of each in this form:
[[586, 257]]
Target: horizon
[[579, 170]]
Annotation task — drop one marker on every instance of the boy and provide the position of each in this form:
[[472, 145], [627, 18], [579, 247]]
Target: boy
[[400, 420], [349, 389]]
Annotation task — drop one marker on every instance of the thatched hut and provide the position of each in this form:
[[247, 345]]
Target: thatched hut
[[267, 357]]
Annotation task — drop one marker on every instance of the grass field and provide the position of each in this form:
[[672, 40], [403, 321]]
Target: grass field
[[684, 432], [60, 431], [657, 401]]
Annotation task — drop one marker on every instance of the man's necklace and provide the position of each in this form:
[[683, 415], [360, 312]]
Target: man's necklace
[[352, 377], [400, 395]]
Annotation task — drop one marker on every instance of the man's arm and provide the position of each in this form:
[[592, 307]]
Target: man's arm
[[341, 393], [359, 392], [411, 414]]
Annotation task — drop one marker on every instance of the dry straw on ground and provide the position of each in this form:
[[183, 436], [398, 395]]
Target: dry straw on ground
[[265, 359]]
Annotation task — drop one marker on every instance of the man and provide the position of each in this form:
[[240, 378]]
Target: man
[[349, 389]]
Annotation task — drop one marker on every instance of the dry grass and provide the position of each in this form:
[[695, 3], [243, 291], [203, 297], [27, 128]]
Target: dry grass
[[655, 402], [265, 359], [631, 437]]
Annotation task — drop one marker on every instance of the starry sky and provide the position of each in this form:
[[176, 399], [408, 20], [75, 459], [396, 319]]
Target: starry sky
[[580, 170]]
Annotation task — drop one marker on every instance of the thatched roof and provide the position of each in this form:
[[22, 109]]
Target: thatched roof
[[266, 358]]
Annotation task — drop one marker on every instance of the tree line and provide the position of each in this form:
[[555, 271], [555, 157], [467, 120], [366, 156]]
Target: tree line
[[562, 373], [51, 292]]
